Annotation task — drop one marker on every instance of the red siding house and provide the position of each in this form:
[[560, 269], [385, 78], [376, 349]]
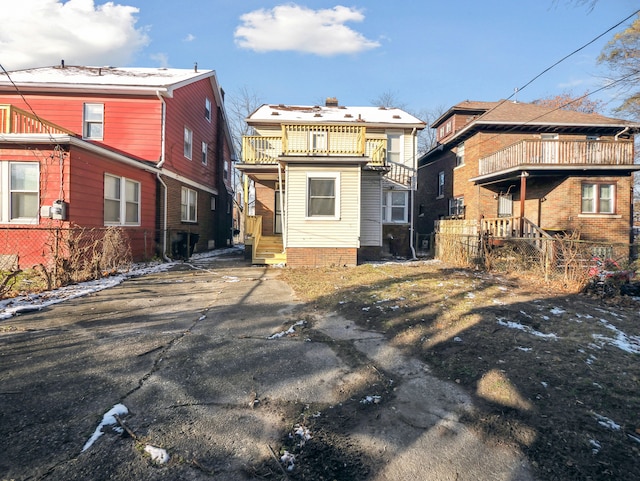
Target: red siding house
[[145, 149]]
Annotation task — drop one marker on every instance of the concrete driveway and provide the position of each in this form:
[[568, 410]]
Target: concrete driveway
[[217, 364]]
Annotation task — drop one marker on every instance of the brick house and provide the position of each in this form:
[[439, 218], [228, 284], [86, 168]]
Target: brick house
[[520, 169], [145, 149], [333, 184]]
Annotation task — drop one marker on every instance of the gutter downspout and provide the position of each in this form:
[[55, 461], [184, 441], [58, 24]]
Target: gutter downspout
[[158, 176], [620, 133], [414, 184], [283, 215]]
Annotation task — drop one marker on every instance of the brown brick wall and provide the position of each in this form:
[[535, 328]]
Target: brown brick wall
[[321, 256]]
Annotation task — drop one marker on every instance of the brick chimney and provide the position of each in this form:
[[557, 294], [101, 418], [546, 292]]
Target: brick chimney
[[331, 102]]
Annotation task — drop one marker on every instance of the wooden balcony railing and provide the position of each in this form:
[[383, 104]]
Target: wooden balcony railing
[[17, 121], [314, 140], [558, 152]]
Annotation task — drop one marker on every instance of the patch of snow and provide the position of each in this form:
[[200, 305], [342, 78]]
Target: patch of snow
[[470, 295], [457, 339], [158, 455], [107, 420], [289, 460], [607, 423], [595, 445], [556, 311], [527, 329], [630, 344], [366, 308], [525, 349], [371, 400], [291, 330], [231, 279], [544, 384]]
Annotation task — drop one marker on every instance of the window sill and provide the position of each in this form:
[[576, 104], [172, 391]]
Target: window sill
[[599, 216], [438, 197]]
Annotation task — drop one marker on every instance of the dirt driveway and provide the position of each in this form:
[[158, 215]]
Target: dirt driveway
[[215, 371]]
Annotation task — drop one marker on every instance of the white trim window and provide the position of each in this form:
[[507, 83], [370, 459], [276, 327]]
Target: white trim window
[[460, 154], [205, 149], [207, 109], [93, 121], [188, 142], [121, 201], [19, 192], [598, 198], [394, 147], [395, 207], [188, 205], [456, 207], [323, 195]]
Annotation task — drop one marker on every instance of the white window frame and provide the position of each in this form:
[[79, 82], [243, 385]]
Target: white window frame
[[456, 207], [207, 109], [441, 180], [395, 134], [460, 155], [596, 199], [92, 119], [7, 192], [188, 142], [318, 141], [335, 176], [124, 200], [205, 153], [388, 206], [188, 205]]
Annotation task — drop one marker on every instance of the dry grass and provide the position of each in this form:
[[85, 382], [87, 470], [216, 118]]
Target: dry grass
[[545, 364]]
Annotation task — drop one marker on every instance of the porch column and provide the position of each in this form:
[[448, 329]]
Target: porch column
[[523, 196]]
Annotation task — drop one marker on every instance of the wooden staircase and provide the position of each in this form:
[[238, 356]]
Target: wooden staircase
[[269, 251]]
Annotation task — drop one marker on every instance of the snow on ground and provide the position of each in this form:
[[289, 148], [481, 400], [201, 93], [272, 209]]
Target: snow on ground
[[34, 302], [109, 419]]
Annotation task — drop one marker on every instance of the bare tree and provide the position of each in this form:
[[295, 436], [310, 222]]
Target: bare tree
[[566, 101], [622, 55], [240, 105]]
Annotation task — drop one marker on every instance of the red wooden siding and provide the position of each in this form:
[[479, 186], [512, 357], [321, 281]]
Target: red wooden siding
[[131, 124], [187, 108]]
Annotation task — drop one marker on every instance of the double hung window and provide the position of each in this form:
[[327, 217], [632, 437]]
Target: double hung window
[[19, 192], [121, 201]]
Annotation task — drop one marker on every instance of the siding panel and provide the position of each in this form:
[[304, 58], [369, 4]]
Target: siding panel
[[342, 232], [371, 229]]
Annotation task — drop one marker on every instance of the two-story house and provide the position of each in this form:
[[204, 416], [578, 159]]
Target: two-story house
[[333, 184], [518, 168], [145, 149]]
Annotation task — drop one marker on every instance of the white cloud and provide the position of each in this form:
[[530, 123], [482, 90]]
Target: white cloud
[[161, 58], [295, 28], [43, 32], [189, 38]]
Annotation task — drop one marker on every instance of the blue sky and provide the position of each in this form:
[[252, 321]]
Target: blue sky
[[428, 54]]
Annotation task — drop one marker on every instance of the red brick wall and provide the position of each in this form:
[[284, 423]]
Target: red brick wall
[[321, 256], [265, 205]]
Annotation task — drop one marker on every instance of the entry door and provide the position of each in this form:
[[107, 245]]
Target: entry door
[[277, 225]]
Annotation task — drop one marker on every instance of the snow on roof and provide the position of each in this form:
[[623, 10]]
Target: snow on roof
[[340, 114], [115, 77]]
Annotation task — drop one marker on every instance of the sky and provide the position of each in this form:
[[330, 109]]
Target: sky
[[427, 55]]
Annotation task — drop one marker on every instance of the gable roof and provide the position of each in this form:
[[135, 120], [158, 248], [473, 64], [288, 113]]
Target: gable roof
[[103, 79], [376, 116]]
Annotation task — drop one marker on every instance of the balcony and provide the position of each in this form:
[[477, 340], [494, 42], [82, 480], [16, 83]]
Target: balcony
[[17, 121], [555, 153], [314, 141]]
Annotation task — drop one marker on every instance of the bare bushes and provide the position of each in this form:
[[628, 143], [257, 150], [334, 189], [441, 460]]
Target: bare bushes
[[82, 254]]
